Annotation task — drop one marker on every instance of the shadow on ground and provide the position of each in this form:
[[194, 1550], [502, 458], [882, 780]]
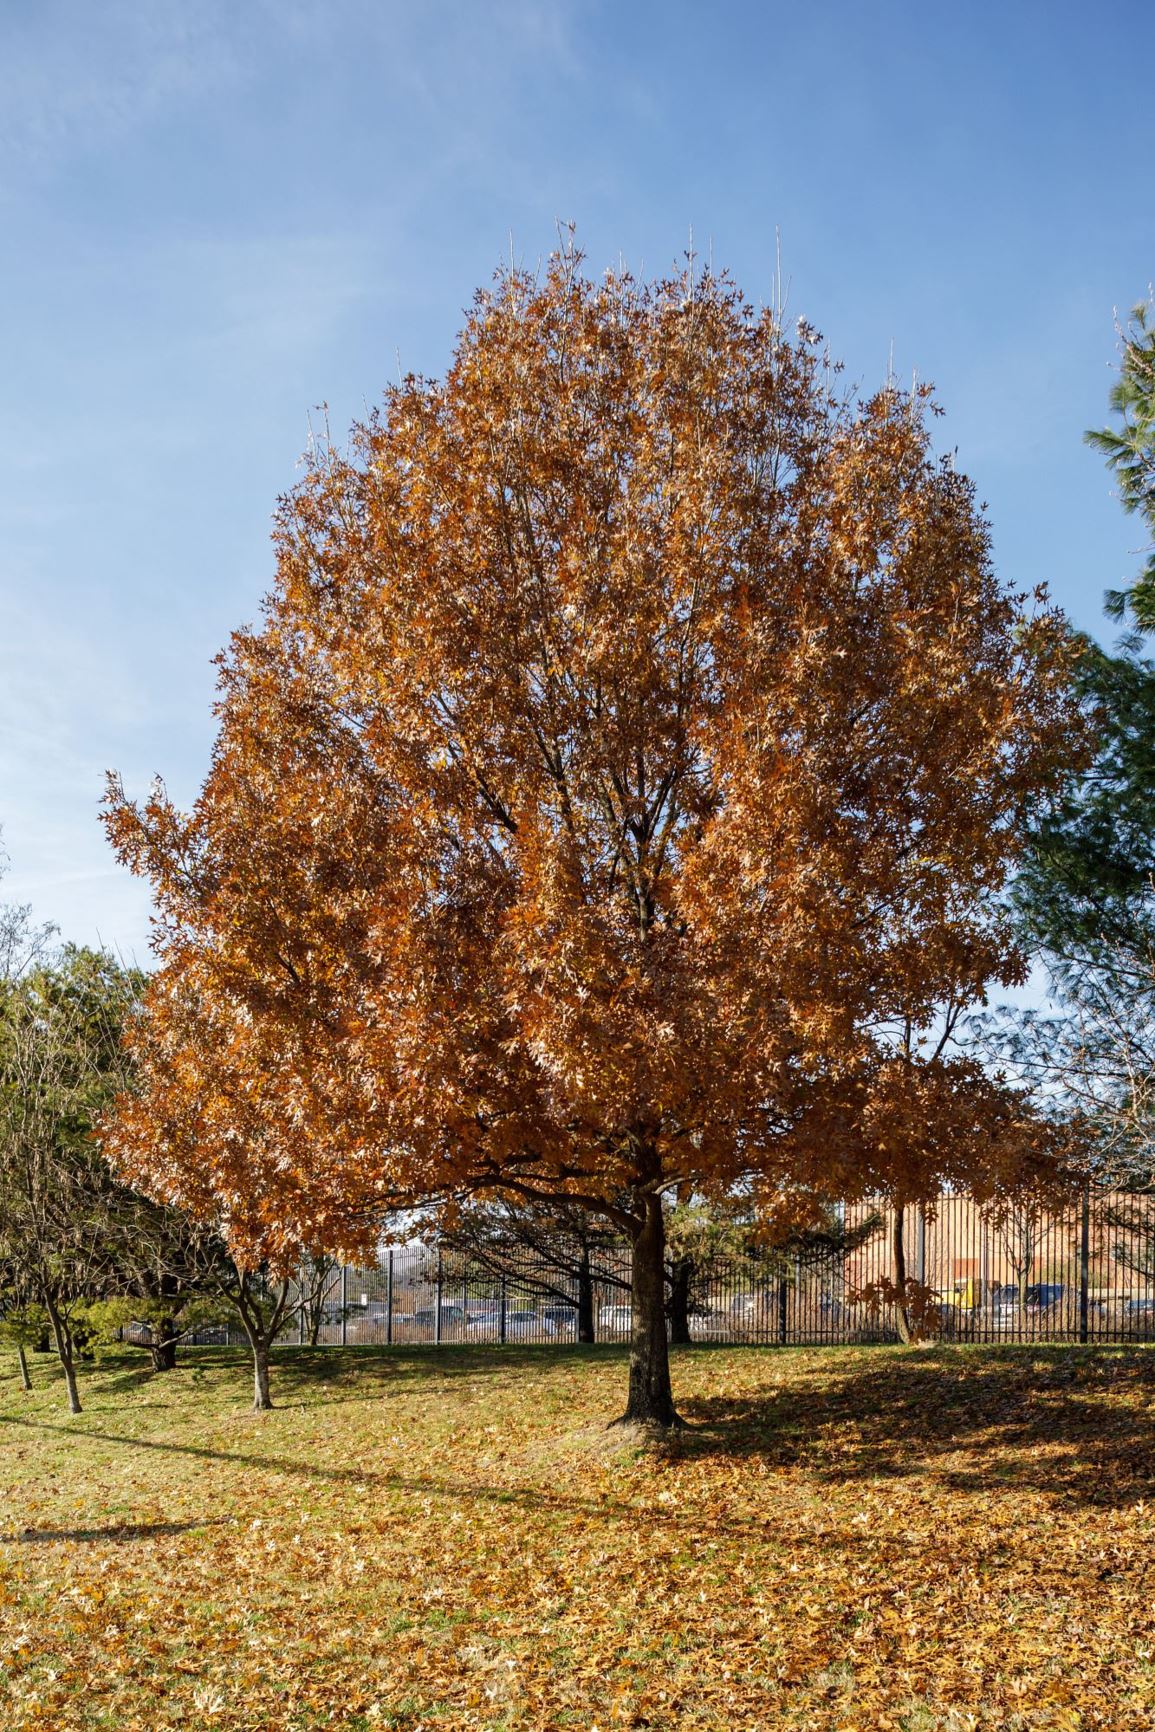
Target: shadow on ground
[[1076, 1423], [300, 1373], [116, 1532]]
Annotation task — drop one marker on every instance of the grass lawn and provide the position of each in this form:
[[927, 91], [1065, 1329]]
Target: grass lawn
[[869, 1539]]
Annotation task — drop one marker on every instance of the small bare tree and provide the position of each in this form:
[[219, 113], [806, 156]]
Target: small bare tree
[[314, 1285], [263, 1302], [1016, 1227]]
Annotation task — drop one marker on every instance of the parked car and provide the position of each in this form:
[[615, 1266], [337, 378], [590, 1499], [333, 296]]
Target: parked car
[[753, 1311], [615, 1319], [522, 1325], [215, 1335], [1043, 1299], [560, 1320], [969, 1293], [485, 1324], [452, 1317], [368, 1322], [709, 1326]]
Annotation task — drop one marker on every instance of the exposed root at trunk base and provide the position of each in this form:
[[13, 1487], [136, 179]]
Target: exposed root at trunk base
[[649, 1428]]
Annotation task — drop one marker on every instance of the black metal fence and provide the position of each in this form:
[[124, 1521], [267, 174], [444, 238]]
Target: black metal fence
[[1016, 1272], [419, 1294]]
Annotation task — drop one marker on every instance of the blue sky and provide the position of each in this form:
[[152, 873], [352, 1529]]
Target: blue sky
[[216, 216]]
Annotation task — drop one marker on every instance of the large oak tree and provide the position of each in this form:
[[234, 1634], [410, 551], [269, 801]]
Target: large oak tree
[[629, 759]]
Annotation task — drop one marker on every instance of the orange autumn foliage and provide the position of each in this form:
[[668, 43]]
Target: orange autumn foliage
[[635, 737]]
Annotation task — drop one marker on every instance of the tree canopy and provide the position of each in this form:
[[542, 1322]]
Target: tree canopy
[[1129, 448], [65, 1224], [1085, 895], [626, 770]]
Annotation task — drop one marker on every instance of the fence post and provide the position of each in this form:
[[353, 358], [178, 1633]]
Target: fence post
[[344, 1305], [437, 1309], [501, 1319], [389, 1302], [920, 1248], [782, 1301], [1084, 1260], [300, 1308]]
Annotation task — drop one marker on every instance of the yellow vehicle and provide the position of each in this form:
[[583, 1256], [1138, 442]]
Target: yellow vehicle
[[966, 1294]]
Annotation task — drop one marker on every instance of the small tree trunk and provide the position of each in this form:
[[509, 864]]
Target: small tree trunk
[[70, 1382], [585, 1316], [262, 1399], [680, 1277], [651, 1400], [1024, 1276], [260, 1331], [899, 1255], [162, 1347], [63, 1338], [25, 1380]]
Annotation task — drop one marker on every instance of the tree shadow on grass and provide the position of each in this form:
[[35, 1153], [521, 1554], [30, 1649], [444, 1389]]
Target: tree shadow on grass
[[532, 1498], [300, 1374], [1076, 1423], [365, 1373], [388, 1364], [126, 1379], [111, 1375], [116, 1532], [535, 1501]]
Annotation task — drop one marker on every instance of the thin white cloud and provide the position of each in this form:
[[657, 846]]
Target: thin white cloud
[[74, 76]]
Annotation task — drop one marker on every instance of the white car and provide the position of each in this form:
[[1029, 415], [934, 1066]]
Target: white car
[[616, 1319], [519, 1326]]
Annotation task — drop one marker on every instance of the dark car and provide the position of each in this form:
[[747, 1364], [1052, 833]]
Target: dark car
[[1042, 1297], [452, 1316], [559, 1319]]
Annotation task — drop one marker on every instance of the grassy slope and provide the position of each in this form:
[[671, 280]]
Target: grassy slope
[[847, 1539]]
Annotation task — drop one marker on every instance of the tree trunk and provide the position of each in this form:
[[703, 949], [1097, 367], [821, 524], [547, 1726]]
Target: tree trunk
[[585, 1316], [70, 1381], [262, 1399], [651, 1400], [64, 1352], [680, 1277], [163, 1346], [261, 1327], [1024, 1276], [25, 1380], [899, 1254]]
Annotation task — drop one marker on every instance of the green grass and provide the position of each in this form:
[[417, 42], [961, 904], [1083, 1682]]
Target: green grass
[[928, 1541]]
